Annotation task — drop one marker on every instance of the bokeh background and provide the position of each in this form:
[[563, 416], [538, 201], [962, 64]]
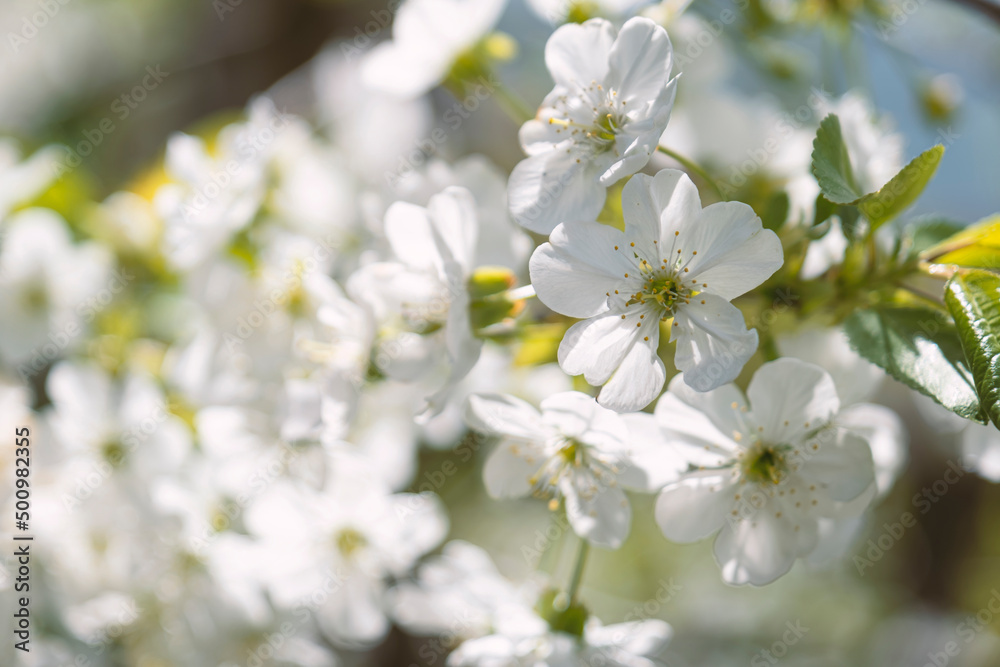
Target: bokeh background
[[937, 76]]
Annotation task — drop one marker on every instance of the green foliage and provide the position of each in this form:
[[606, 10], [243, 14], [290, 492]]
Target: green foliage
[[902, 189], [831, 164], [977, 246], [920, 348], [927, 232], [973, 297]]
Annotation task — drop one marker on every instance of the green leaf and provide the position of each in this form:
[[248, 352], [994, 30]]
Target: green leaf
[[973, 297], [824, 209], [977, 246], [831, 164], [848, 215], [920, 348], [927, 232], [902, 190], [775, 211]]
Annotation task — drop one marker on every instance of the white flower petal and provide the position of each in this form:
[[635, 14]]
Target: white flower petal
[[596, 347], [635, 638], [577, 54], [353, 617], [410, 233], [755, 552], [652, 205], [735, 252], [843, 464], [695, 506], [504, 415], [453, 212], [704, 417], [508, 470], [640, 60], [554, 187], [790, 398], [713, 342], [639, 378], [577, 415], [981, 450], [695, 437], [652, 462], [572, 274], [886, 436], [394, 70], [598, 513]]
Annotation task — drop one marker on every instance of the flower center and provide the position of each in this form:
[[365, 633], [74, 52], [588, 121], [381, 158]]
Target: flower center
[[35, 298], [349, 541], [663, 283], [662, 287], [113, 452], [593, 116], [765, 463]]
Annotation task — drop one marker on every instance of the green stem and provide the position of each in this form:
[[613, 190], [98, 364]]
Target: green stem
[[581, 562], [696, 168]]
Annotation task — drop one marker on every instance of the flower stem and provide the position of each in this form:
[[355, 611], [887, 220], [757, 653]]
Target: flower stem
[[581, 561], [690, 165]]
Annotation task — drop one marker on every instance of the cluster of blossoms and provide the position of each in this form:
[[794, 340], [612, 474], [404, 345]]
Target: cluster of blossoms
[[234, 374]]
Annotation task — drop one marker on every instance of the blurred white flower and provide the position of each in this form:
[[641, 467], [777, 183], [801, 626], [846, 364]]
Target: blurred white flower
[[524, 640], [23, 178], [499, 242], [558, 11], [600, 123], [213, 195], [50, 288], [765, 468], [428, 37], [459, 592], [313, 192], [674, 260], [573, 449], [461, 595], [124, 425], [427, 290], [981, 450], [377, 133], [341, 543]]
